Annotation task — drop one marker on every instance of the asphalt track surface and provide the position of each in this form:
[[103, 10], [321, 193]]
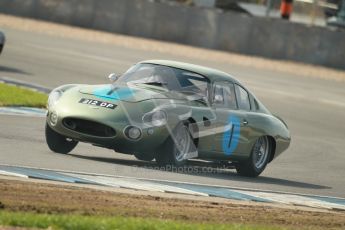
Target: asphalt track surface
[[313, 108]]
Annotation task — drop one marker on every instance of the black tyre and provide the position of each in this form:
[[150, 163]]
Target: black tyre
[[58, 143], [144, 156], [172, 152], [258, 159]]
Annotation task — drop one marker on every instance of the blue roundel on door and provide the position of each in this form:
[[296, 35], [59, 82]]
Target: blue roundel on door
[[231, 135]]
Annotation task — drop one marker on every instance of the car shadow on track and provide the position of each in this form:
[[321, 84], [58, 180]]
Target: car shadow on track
[[204, 169], [12, 70]]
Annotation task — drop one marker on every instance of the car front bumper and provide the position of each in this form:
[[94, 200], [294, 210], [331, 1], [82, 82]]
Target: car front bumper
[[151, 137]]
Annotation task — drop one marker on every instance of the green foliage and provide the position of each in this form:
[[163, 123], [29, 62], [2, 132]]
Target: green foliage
[[58, 221], [16, 96]]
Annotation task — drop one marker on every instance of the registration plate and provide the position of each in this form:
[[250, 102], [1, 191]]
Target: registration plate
[[97, 103]]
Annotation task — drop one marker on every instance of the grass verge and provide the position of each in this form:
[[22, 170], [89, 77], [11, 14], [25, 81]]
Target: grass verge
[[16, 96], [80, 222]]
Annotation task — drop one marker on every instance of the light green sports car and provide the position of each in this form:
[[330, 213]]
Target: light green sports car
[[168, 111]]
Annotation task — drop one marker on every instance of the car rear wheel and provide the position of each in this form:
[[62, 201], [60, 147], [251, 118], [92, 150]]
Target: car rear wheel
[[173, 151], [258, 159], [58, 143], [144, 156]]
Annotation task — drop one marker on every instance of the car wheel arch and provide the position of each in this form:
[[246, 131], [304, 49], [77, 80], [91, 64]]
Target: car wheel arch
[[193, 126], [273, 144]]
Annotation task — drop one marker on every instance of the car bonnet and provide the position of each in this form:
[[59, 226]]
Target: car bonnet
[[122, 93]]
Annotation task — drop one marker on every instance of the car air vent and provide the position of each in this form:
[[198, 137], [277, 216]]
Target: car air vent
[[89, 127]]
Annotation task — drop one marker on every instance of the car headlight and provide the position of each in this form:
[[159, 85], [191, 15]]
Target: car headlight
[[53, 118], [156, 118], [132, 132], [54, 96]]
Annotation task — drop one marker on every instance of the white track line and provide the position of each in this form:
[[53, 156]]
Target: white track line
[[23, 111], [172, 181], [5, 173], [147, 185], [135, 184], [294, 200]]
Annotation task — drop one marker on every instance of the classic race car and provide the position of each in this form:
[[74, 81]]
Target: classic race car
[[168, 111]]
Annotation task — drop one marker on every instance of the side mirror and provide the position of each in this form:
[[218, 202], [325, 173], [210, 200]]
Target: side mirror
[[218, 99], [113, 77]]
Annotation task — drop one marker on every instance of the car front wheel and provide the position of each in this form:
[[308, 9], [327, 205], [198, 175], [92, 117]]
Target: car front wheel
[[258, 159], [173, 151], [58, 143]]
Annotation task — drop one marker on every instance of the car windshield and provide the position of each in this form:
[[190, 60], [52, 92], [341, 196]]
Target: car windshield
[[172, 79]]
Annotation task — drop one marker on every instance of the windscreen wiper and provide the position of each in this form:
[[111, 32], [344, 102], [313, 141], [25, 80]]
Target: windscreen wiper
[[155, 83]]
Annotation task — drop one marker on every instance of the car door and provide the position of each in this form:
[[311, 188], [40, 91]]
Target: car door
[[231, 106]]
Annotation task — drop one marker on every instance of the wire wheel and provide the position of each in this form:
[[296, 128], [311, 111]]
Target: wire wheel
[[260, 152], [259, 157], [182, 142], [172, 152]]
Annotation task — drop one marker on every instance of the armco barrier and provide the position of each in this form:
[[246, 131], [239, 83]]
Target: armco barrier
[[204, 27]]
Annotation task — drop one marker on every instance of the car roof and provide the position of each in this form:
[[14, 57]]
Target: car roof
[[210, 73]]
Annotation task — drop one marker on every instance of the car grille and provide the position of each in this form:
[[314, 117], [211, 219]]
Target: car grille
[[88, 127]]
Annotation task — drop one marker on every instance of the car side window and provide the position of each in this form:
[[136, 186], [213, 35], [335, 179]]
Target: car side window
[[224, 95], [242, 98]]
